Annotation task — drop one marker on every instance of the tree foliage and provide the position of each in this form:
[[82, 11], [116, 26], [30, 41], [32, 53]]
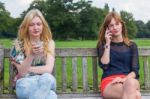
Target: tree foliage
[[71, 19], [8, 24], [130, 23], [143, 29]]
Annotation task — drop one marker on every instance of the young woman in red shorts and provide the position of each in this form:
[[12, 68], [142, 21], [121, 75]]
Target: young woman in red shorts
[[118, 57]]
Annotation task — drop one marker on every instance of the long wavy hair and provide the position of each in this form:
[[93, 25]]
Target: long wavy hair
[[104, 26], [46, 35]]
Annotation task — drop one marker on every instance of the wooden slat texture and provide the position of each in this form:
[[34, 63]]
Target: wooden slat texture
[[95, 74], [144, 51], [84, 74], [11, 76], [74, 74], [76, 52], [60, 52], [146, 73], [74, 96], [1, 58], [1, 68], [54, 70], [83, 53], [64, 75]]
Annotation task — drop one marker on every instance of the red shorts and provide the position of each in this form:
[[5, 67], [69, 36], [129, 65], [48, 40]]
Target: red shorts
[[108, 80]]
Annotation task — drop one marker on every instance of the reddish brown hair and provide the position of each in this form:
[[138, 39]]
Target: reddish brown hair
[[104, 26]]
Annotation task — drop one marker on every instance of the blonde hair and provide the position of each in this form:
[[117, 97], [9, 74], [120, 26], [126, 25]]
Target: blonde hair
[[107, 20], [46, 35]]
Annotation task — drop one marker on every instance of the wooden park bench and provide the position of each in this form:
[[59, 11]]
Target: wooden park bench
[[75, 88]]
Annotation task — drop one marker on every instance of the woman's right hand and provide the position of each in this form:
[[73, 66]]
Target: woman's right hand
[[118, 80], [14, 63], [108, 36]]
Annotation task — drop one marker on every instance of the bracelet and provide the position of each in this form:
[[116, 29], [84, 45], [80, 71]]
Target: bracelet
[[106, 46]]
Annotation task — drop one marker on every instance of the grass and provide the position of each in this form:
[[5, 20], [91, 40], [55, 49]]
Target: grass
[[142, 42], [74, 44], [7, 43]]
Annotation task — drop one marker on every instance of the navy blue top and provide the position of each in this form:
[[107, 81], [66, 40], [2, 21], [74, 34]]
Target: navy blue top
[[123, 59]]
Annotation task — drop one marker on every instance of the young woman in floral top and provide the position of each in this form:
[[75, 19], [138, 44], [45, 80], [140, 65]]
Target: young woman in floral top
[[33, 56]]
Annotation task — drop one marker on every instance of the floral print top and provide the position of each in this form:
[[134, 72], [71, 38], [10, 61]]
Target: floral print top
[[18, 53]]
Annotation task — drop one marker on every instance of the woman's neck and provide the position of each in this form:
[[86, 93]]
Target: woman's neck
[[34, 39], [117, 39]]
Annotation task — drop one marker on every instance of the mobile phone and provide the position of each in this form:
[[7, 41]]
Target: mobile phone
[[13, 52]]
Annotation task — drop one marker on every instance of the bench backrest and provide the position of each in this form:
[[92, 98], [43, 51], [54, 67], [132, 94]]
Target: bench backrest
[[82, 76]]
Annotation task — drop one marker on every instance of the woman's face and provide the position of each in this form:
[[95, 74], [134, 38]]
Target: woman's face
[[115, 27], [35, 27]]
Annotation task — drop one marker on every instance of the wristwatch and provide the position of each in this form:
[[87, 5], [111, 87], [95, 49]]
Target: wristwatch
[[106, 46]]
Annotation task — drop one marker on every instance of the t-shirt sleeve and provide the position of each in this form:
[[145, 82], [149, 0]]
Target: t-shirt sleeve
[[135, 59]]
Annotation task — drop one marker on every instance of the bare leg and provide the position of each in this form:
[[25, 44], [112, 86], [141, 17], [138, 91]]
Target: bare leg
[[131, 89], [113, 91]]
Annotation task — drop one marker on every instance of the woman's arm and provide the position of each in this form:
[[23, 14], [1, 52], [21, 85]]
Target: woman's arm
[[44, 69], [105, 59], [50, 59], [104, 51], [24, 66], [106, 54], [18, 59], [135, 60]]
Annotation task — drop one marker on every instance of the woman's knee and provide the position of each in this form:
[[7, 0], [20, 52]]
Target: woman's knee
[[130, 85], [24, 86], [48, 80], [23, 83], [138, 94], [22, 90], [113, 91]]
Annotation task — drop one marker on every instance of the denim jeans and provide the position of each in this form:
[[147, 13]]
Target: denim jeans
[[36, 87]]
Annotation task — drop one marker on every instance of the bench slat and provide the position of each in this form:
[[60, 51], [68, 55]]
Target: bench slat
[[74, 53], [64, 75], [83, 52], [146, 73], [95, 74], [67, 52], [74, 74], [84, 73], [1, 68], [144, 51], [11, 77]]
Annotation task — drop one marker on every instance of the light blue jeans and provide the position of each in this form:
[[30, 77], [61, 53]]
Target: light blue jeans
[[36, 87]]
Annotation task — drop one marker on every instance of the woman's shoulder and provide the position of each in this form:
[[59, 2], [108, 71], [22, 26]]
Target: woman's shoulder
[[133, 44], [18, 44], [51, 43]]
